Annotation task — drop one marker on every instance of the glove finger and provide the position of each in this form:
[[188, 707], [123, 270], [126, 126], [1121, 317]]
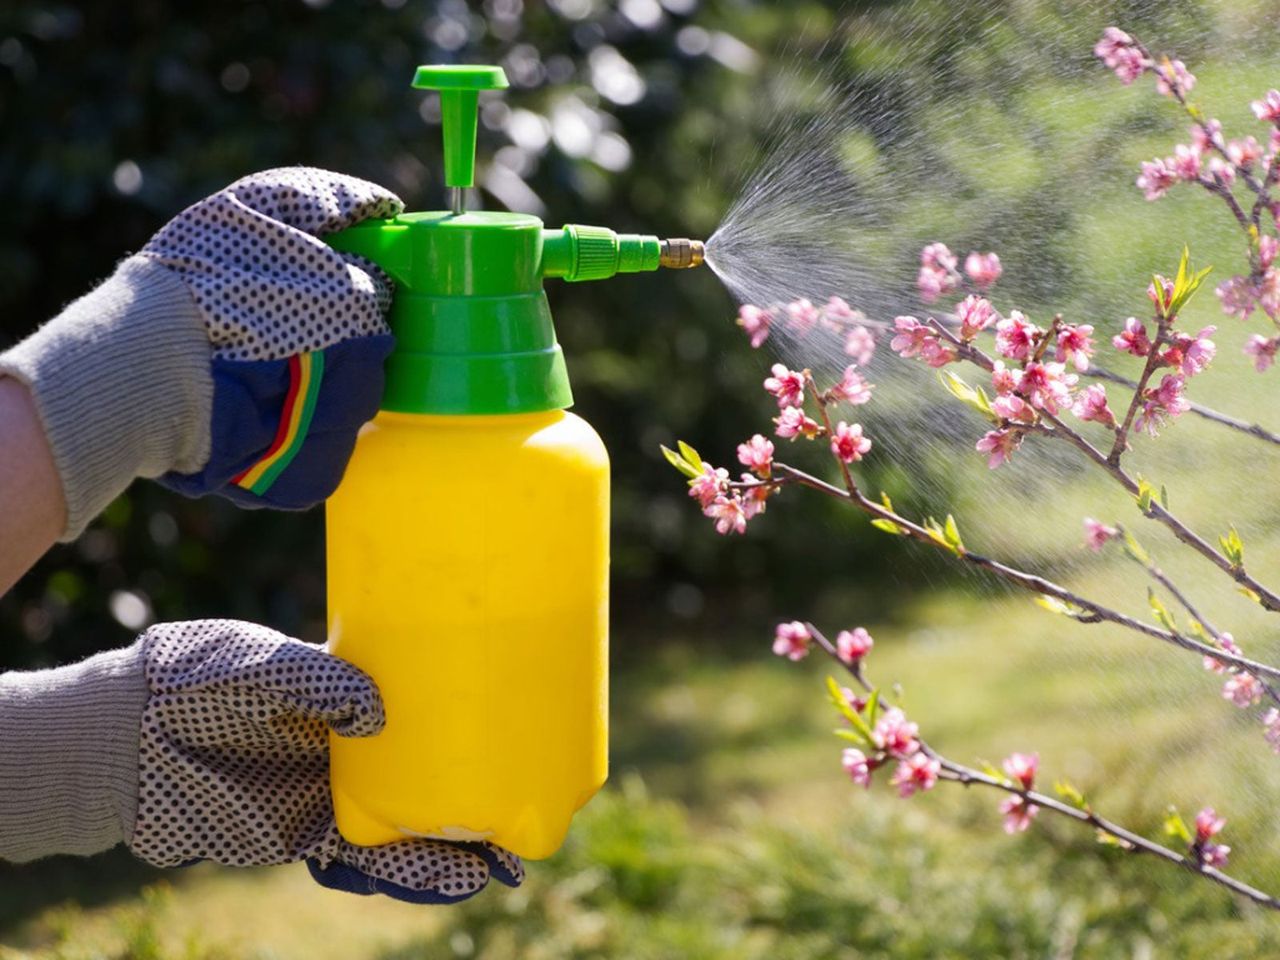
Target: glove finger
[[364, 271], [504, 866], [259, 672], [312, 200], [409, 869]]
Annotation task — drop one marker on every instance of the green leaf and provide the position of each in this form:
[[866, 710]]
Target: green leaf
[[841, 703], [1135, 550], [690, 454], [1161, 611], [1146, 492], [989, 769], [1060, 607], [976, 398], [1175, 827], [844, 733], [1070, 794], [1107, 840], [888, 504], [1164, 496], [1196, 629], [680, 463], [1185, 284], [888, 526], [873, 707], [1232, 547], [952, 533]]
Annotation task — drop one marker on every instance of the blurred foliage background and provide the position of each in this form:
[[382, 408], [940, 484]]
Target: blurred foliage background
[[982, 122]]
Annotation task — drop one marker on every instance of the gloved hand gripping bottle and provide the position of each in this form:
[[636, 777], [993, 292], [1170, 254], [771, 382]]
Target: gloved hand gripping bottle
[[468, 542]]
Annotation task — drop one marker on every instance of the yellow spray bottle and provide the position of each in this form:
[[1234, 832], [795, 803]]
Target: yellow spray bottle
[[468, 542]]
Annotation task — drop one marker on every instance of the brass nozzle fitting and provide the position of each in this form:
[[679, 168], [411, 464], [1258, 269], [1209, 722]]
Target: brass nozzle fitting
[[680, 254]]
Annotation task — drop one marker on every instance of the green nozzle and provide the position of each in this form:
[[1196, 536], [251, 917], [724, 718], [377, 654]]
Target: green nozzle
[[459, 87]]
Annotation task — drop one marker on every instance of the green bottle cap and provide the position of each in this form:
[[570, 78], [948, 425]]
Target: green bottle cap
[[459, 87], [472, 326]]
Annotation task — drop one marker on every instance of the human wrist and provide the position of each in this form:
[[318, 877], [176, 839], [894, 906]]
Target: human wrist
[[122, 386]]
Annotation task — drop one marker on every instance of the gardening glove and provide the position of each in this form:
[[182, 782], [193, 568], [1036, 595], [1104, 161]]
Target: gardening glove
[[235, 354], [208, 740]]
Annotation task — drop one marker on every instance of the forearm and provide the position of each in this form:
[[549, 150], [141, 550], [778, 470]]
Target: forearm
[[32, 508], [69, 756]]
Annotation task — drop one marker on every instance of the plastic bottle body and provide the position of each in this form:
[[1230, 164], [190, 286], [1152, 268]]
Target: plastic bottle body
[[468, 575]]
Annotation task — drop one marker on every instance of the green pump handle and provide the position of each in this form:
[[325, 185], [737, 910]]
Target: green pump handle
[[459, 86]]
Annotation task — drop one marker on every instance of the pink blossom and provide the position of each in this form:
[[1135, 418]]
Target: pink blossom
[[791, 640], [1214, 854], [917, 772], [787, 386], [757, 454], [1222, 171], [1096, 534], [729, 513], [934, 283], [911, 336], [802, 315], [851, 697], [1242, 689], [1191, 354], [975, 314], [1047, 386], [1262, 349], [1268, 108], [1185, 162], [1228, 643], [1269, 292], [853, 645], [1018, 814], [1022, 767], [1075, 345], [755, 497], [755, 322], [709, 484], [856, 766], [1133, 338], [1016, 336], [999, 446], [1005, 379], [936, 256], [983, 269], [860, 343], [1271, 728], [1173, 75], [1244, 153], [936, 353], [1091, 404], [1160, 293], [793, 422], [838, 309], [1204, 136], [1163, 402], [848, 444], [1238, 296], [1156, 178], [1208, 824], [1268, 246], [1010, 407], [895, 734], [853, 387], [1121, 53]]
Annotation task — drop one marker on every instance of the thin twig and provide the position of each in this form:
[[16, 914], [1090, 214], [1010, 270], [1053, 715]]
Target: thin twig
[[1133, 842]]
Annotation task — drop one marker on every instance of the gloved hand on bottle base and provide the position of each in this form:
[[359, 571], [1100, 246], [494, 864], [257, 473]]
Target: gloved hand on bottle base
[[208, 740], [235, 354]]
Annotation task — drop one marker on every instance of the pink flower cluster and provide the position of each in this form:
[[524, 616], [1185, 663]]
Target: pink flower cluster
[[1206, 851], [939, 273], [799, 318], [1123, 54], [730, 505], [1018, 810], [1241, 295], [1097, 534]]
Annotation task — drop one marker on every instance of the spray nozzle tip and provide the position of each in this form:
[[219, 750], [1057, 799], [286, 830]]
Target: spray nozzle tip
[[680, 254]]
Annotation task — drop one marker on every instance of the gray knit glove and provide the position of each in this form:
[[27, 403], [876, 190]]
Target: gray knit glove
[[236, 353], [229, 763]]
